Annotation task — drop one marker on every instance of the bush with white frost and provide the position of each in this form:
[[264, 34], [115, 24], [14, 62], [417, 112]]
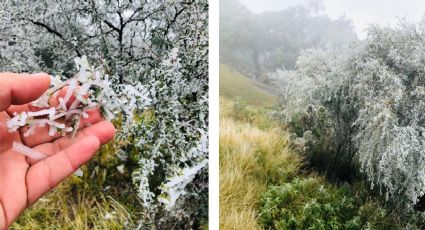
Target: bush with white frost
[[373, 96], [155, 55]]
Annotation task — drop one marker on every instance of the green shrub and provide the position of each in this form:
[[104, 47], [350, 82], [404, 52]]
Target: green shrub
[[313, 204], [258, 116], [241, 112]]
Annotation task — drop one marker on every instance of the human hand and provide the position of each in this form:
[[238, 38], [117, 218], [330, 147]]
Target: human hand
[[22, 180]]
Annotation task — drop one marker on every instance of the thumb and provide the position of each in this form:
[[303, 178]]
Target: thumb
[[17, 89]]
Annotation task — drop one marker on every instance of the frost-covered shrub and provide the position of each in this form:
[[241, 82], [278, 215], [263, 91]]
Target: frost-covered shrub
[[389, 83], [315, 105], [161, 45], [375, 100], [311, 82]]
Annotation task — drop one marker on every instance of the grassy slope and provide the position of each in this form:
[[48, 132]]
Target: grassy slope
[[250, 157], [234, 85], [250, 160]]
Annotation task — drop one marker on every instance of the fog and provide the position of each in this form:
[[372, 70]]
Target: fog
[[260, 37], [258, 43], [361, 12]]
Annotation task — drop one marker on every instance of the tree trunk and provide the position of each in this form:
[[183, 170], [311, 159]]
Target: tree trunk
[[257, 66]]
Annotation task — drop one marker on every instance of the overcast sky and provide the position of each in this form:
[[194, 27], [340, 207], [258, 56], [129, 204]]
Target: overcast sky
[[362, 12]]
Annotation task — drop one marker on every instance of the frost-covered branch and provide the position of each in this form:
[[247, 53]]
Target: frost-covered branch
[[91, 89]]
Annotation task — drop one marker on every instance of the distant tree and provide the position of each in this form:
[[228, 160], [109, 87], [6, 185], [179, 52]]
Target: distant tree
[[262, 43]]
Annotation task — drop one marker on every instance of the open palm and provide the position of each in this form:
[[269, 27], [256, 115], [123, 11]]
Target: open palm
[[22, 180]]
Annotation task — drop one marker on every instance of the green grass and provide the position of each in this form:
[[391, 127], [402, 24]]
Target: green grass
[[234, 86], [69, 207], [313, 203]]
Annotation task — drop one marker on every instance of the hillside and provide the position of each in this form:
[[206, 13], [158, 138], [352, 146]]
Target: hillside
[[234, 85]]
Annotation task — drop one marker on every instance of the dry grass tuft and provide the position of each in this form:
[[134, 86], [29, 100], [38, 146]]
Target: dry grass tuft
[[250, 160]]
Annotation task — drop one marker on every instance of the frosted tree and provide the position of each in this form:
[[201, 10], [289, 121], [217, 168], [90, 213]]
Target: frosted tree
[[309, 83], [158, 46], [373, 98], [389, 83], [314, 101]]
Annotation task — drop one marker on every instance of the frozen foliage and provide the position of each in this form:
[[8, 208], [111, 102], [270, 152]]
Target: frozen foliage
[[313, 78], [177, 184], [389, 85], [91, 89], [35, 155], [29, 152], [153, 51], [377, 93], [316, 105]]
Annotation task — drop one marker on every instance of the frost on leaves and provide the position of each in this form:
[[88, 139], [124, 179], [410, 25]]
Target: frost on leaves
[[377, 89], [155, 54], [90, 89]]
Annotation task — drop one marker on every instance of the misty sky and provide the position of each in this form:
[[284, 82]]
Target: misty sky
[[362, 12]]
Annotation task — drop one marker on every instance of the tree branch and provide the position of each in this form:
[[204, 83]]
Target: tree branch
[[48, 28], [53, 31], [111, 26], [174, 19]]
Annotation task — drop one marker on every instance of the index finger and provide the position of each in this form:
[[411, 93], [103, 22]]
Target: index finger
[[18, 89], [48, 173]]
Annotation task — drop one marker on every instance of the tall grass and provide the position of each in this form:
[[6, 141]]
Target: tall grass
[[250, 160]]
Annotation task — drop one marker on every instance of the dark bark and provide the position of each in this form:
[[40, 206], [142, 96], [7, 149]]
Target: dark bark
[[257, 66]]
